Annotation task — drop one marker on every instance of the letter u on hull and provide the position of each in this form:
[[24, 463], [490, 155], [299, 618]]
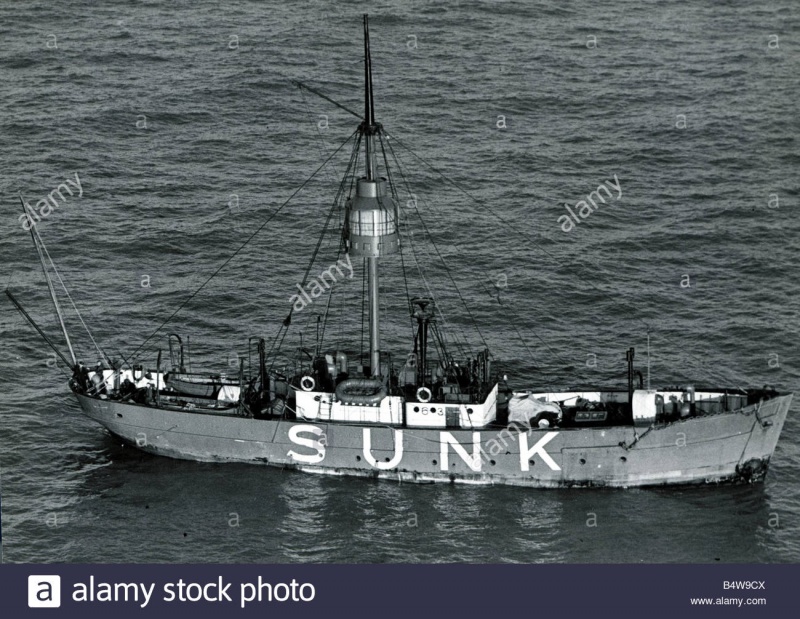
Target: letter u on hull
[[398, 450]]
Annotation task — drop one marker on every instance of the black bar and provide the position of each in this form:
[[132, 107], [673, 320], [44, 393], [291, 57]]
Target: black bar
[[412, 591]]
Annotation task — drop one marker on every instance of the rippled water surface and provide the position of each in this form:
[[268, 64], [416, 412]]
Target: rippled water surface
[[186, 132]]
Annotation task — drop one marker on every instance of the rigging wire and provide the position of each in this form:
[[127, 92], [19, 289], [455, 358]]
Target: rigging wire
[[498, 216], [301, 86], [466, 349], [342, 342], [333, 175], [34, 234], [324, 321], [69, 296], [402, 259], [243, 245], [438, 253], [461, 348], [397, 199], [324, 230], [516, 318], [647, 325], [357, 115], [32, 323], [336, 202], [353, 165], [284, 328], [456, 330]]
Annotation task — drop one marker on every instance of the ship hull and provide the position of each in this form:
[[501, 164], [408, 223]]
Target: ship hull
[[715, 448]]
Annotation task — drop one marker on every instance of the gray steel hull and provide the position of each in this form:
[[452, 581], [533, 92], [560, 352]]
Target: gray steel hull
[[726, 447]]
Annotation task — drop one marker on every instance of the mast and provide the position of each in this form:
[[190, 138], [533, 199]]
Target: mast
[[369, 105], [371, 231], [30, 320], [34, 235], [373, 276]]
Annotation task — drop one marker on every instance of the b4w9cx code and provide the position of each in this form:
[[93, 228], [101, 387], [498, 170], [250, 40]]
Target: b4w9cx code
[[744, 584]]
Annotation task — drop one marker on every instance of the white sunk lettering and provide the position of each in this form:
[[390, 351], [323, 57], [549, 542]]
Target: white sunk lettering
[[398, 450], [307, 442], [474, 461], [526, 454]]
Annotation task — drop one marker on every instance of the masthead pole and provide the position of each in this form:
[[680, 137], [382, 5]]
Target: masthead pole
[[373, 280], [369, 105], [371, 228]]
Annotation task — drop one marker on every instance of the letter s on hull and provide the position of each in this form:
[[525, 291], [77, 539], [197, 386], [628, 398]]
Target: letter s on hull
[[306, 442], [526, 454], [398, 450]]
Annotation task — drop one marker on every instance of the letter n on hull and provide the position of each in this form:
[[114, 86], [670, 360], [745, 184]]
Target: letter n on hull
[[474, 461], [398, 450]]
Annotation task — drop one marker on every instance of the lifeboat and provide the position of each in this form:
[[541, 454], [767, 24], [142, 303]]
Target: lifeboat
[[198, 385], [361, 391]]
